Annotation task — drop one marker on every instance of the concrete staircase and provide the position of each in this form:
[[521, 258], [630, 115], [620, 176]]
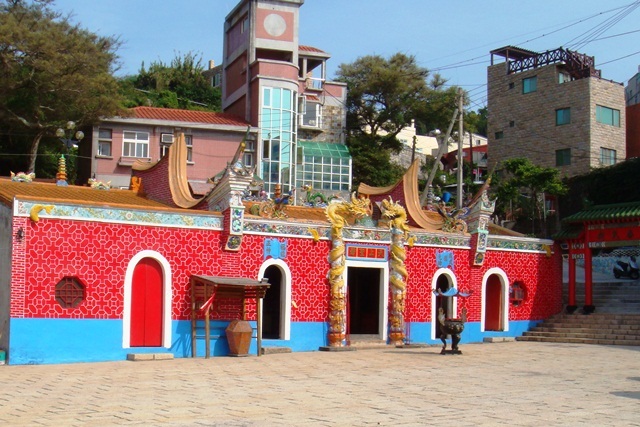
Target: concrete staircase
[[617, 297], [596, 328], [616, 320]]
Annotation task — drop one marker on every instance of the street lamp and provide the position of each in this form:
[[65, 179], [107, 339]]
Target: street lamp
[[67, 136], [70, 140]]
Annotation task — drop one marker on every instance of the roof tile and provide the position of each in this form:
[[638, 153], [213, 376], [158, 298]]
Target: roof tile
[[190, 116], [75, 194], [619, 211]]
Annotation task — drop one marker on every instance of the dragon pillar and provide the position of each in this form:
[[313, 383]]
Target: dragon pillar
[[337, 213], [398, 272]]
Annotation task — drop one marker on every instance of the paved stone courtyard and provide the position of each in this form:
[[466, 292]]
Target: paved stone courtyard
[[499, 384]]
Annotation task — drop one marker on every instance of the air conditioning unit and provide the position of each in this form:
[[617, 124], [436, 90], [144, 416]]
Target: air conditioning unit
[[166, 138]]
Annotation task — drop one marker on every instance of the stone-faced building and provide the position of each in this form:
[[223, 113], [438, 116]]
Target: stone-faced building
[[555, 109]]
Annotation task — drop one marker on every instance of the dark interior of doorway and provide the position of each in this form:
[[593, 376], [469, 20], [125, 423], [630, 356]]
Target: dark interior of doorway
[[271, 304], [443, 285], [363, 295]]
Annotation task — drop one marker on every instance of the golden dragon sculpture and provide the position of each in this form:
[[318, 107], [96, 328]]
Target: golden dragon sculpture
[[397, 216], [337, 213]]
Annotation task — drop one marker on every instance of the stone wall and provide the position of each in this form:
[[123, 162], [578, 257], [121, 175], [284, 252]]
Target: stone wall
[[331, 130], [528, 120]]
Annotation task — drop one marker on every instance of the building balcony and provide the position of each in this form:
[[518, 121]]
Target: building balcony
[[314, 84]]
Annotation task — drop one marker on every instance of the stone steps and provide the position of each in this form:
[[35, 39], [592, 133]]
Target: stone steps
[[580, 340], [609, 297], [600, 328], [616, 320], [363, 342]]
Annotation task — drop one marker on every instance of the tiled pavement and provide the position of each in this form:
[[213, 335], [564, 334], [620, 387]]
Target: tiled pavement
[[499, 384]]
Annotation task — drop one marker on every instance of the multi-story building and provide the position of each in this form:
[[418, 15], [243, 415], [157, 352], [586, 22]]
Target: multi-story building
[[632, 94], [146, 134], [280, 87], [555, 109], [269, 82]]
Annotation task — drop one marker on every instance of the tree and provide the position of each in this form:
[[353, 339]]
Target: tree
[[522, 186], [372, 164], [436, 109], [51, 71], [476, 121], [383, 96], [180, 84]]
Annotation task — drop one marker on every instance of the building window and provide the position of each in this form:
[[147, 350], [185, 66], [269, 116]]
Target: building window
[[166, 140], [563, 157], [279, 124], [249, 153], [563, 77], [188, 139], [323, 166], [70, 292], [530, 84], [312, 114], [608, 116], [512, 124], [517, 293], [512, 85], [104, 142], [135, 144], [499, 135], [245, 25], [607, 156], [563, 116]]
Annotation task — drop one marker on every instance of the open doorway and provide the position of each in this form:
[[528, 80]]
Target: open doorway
[[364, 288], [443, 284], [272, 304]]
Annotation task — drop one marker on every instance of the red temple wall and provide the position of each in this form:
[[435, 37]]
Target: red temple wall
[[98, 255]]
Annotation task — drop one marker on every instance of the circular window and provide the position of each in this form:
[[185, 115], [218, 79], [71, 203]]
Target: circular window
[[70, 292]]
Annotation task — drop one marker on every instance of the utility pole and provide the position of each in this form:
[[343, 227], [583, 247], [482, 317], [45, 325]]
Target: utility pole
[[442, 149], [413, 149], [474, 176], [460, 137]]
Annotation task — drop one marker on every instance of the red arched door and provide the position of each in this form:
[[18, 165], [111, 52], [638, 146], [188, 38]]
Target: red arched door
[[146, 304], [493, 304]]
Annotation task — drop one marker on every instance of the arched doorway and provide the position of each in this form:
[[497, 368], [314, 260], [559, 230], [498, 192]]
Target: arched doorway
[[493, 304], [272, 304], [443, 284], [146, 304]]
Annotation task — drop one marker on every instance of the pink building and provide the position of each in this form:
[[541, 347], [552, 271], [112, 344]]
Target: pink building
[[145, 135]]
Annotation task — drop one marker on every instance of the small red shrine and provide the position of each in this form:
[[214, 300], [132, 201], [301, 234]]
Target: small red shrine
[[597, 227]]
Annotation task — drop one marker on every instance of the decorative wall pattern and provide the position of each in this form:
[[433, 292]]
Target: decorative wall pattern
[[518, 245], [98, 254], [290, 229], [125, 215], [433, 239], [538, 272]]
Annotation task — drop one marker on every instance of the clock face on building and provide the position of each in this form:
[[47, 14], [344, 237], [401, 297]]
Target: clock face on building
[[275, 25]]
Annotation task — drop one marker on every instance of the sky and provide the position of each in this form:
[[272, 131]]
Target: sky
[[450, 37]]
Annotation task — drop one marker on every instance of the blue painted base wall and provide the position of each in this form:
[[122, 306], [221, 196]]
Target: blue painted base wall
[[420, 332], [44, 341]]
